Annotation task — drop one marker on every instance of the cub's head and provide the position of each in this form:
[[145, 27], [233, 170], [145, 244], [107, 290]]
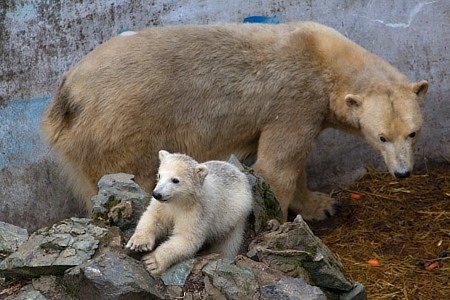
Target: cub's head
[[391, 121], [179, 177]]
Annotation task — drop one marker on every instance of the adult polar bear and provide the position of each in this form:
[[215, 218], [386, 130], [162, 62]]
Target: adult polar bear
[[255, 90]]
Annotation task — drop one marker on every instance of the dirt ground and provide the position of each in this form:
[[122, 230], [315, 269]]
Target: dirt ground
[[393, 235]]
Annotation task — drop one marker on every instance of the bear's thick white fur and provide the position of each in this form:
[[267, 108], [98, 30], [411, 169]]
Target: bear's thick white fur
[[193, 205], [259, 91]]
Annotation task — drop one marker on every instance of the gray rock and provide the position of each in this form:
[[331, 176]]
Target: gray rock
[[295, 250], [11, 237], [292, 289], [357, 293], [211, 292], [120, 202], [51, 251], [263, 273], [233, 281], [265, 205], [111, 276], [45, 283], [177, 274], [27, 293]]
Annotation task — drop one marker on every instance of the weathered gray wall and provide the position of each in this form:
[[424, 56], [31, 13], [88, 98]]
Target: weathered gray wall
[[42, 39]]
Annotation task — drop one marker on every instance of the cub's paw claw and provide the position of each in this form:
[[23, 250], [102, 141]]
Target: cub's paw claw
[[140, 243], [152, 264]]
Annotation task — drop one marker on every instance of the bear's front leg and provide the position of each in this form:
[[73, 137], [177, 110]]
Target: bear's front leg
[[312, 205], [149, 228], [176, 249]]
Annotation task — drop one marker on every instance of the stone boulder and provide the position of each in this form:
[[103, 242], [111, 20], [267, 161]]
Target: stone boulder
[[120, 202], [52, 250], [293, 249], [233, 281], [111, 276]]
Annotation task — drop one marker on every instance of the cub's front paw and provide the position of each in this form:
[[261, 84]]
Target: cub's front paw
[[141, 242], [154, 266]]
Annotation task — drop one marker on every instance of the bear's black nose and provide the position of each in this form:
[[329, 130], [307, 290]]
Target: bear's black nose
[[402, 175], [156, 195]]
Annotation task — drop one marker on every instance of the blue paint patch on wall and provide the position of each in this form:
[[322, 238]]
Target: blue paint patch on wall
[[20, 139], [262, 19]]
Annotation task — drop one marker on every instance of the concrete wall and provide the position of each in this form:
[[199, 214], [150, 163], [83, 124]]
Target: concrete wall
[[41, 39]]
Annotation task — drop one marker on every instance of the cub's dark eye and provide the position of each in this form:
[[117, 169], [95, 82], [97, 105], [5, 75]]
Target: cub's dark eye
[[175, 180], [383, 139], [158, 176], [412, 134]]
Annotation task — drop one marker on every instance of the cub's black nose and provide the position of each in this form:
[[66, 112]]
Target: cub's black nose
[[156, 195], [402, 175]]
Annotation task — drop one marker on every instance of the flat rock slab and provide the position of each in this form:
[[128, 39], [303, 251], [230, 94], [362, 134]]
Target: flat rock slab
[[11, 237], [292, 289], [51, 251]]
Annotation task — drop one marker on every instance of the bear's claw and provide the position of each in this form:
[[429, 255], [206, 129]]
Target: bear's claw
[[140, 243], [152, 264], [318, 206]]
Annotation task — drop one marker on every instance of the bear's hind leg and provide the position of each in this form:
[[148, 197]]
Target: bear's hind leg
[[230, 244], [312, 205]]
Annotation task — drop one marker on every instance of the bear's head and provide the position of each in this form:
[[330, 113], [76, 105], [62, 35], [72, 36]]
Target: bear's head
[[179, 177], [390, 120]]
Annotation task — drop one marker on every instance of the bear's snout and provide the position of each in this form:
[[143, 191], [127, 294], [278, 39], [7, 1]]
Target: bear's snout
[[157, 195], [402, 174]]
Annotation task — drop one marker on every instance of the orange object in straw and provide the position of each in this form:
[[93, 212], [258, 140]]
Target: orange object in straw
[[432, 266], [355, 196], [373, 262]]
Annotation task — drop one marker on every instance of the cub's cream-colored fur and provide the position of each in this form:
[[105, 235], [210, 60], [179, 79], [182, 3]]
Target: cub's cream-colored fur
[[256, 90], [195, 205]]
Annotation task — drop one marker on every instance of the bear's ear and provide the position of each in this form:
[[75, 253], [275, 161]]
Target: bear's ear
[[353, 101], [201, 171], [163, 154], [420, 88]]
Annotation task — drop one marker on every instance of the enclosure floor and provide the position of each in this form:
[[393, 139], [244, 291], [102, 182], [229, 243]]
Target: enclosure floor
[[404, 224]]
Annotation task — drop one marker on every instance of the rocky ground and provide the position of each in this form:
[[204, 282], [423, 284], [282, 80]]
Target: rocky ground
[[81, 258]]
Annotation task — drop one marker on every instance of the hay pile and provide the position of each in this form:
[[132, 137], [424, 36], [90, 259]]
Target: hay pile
[[404, 225]]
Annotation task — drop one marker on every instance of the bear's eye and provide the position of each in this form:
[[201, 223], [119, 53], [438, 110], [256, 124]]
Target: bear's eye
[[412, 134], [383, 139], [175, 180], [158, 176]]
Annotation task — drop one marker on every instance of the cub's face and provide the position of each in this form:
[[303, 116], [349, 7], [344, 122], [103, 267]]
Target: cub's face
[[392, 123], [178, 177], [172, 182]]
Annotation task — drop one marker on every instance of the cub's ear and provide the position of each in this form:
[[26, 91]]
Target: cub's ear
[[353, 101], [201, 171], [420, 88], [163, 154]]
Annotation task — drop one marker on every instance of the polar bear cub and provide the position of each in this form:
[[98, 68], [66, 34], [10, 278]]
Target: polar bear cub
[[193, 205]]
